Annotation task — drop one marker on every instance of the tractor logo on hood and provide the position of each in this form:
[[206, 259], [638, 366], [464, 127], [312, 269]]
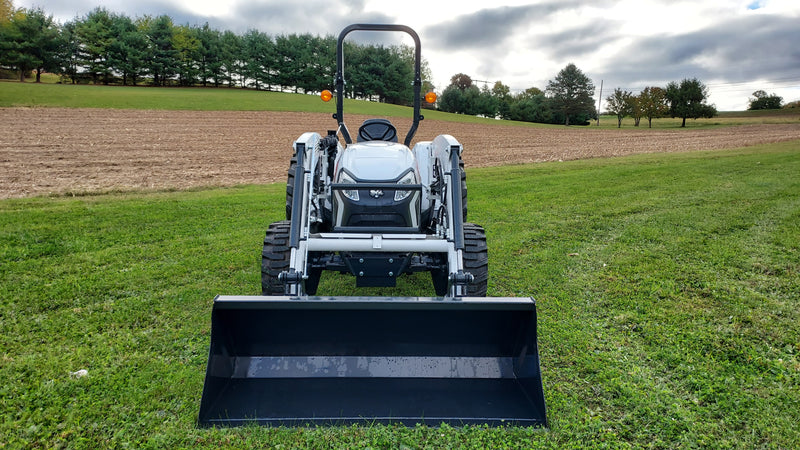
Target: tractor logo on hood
[[376, 193]]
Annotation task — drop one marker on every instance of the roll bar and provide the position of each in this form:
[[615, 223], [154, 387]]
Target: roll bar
[[339, 81]]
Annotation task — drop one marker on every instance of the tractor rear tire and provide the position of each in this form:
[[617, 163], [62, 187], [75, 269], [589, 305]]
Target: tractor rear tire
[[275, 257], [476, 259]]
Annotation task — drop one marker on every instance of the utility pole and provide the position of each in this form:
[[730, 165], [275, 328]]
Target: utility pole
[[598, 102]]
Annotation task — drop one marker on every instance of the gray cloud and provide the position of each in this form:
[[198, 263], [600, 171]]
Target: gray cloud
[[489, 28], [315, 17], [578, 41], [742, 49], [270, 16]]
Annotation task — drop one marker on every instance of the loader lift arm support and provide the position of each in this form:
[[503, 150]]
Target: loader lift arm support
[[340, 76]]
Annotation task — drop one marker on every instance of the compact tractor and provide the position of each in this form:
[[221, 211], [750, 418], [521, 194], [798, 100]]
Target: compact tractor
[[376, 208]]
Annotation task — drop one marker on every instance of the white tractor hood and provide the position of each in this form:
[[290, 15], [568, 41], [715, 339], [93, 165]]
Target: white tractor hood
[[377, 160]]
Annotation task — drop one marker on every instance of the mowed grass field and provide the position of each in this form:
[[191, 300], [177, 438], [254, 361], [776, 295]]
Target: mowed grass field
[[667, 290], [13, 94]]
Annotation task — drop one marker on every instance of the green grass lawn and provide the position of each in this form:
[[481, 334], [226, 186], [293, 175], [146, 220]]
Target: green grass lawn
[[14, 94], [667, 289]]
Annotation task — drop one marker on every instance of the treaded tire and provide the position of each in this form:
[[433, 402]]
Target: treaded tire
[[275, 257], [476, 259], [476, 262]]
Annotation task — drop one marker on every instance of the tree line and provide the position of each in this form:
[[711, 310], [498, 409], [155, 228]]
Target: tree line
[[685, 100], [567, 99], [108, 48]]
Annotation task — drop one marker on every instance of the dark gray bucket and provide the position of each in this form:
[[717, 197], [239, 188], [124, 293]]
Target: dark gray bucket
[[344, 360]]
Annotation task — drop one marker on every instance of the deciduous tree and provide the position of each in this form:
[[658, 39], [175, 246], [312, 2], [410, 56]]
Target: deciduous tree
[[619, 104], [461, 81], [6, 11], [687, 100], [187, 48], [761, 100], [653, 103]]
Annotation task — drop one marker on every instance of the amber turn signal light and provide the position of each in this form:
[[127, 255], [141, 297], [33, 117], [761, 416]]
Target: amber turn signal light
[[326, 95], [430, 97]]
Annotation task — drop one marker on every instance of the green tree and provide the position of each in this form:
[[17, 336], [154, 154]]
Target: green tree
[[619, 104], [315, 61], [163, 57], [531, 105], [531, 92], [209, 63], [69, 54], [636, 109], [452, 100], [126, 49], [571, 93], [687, 100], [487, 104], [188, 48], [289, 61], [399, 89], [378, 72], [30, 40], [230, 56], [460, 101], [95, 36], [761, 100], [502, 94], [461, 96], [653, 103], [258, 54]]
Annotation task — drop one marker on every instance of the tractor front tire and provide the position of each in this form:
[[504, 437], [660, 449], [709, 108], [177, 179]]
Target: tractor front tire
[[476, 259], [476, 262], [275, 257]]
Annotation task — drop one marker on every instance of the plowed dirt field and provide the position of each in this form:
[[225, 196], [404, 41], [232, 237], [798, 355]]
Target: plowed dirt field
[[47, 151]]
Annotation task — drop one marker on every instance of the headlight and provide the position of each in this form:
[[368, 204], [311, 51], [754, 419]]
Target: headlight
[[351, 194], [402, 195]]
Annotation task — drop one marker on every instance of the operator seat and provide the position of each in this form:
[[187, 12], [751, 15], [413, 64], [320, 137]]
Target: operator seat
[[377, 130]]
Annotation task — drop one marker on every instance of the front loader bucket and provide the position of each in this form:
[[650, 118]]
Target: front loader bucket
[[344, 360]]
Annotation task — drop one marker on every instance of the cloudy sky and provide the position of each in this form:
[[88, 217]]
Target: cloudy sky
[[734, 47]]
